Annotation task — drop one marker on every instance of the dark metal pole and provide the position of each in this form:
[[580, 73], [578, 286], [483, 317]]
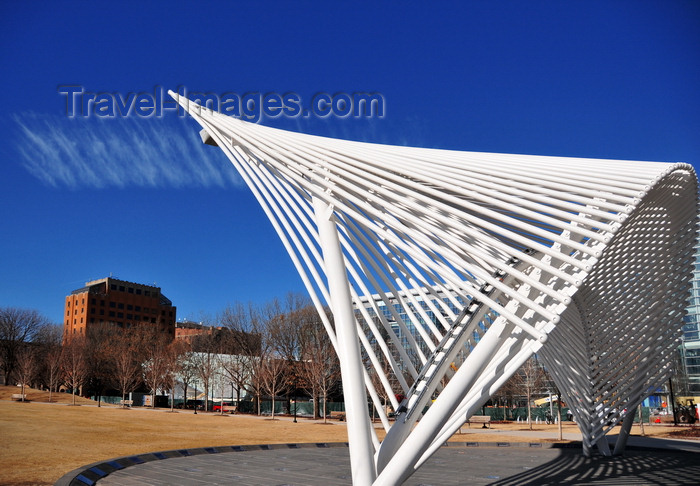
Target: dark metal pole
[[559, 428], [195, 397], [673, 402]]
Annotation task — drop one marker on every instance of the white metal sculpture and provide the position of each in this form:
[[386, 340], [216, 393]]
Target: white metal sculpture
[[445, 271]]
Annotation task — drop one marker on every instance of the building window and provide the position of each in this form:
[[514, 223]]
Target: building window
[[121, 288], [120, 315], [129, 316], [138, 291], [102, 312], [111, 313], [129, 307], [147, 293], [102, 303], [112, 304], [120, 305]]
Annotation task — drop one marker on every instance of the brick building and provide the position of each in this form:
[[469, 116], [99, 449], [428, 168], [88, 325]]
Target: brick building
[[187, 331], [124, 304], [222, 339]]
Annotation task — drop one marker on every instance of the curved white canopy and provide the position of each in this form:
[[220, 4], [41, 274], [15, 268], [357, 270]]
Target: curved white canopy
[[447, 270]]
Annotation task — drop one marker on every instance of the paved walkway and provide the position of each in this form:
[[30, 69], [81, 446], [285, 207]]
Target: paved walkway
[[646, 461]]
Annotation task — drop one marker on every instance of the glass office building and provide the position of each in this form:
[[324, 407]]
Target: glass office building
[[690, 350]]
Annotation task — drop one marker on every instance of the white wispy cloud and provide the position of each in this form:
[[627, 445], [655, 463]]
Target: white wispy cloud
[[123, 152]]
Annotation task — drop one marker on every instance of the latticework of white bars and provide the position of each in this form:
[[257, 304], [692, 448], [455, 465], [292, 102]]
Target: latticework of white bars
[[445, 271]]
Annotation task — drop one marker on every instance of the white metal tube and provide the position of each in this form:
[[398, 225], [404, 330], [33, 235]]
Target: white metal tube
[[352, 369], [400, 467]]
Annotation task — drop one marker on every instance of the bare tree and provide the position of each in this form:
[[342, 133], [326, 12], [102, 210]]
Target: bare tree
[[285, 325], [273, 377], [205, 362], [257, 379], [280, 347], [244, 345], [174, 354], [48, 334], [75, 369], [17, 327], [127, 364], [156, 363], [319, 368], [528, 380], [187, 371], [219, 383], [26, 367], [53, 375], [235, 368], [507, 394], [48, 341], [99, 351]]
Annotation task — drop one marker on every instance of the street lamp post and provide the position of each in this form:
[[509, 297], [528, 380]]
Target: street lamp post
[[295, 399], [294, 384], [195, 397]]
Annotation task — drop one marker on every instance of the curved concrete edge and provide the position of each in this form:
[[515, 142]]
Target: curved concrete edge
[[91, 473]]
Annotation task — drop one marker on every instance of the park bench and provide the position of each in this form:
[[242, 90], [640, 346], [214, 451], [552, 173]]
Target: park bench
[[229, 409], [480, 419], [126, 403], [19, 396], [338, 415]]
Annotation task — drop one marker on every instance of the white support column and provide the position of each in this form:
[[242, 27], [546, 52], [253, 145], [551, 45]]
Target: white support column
[[603, 446], [351, 366], [404, 459], [621, 441]]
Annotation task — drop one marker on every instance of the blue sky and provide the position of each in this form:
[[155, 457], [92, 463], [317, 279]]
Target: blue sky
[[143, 200]]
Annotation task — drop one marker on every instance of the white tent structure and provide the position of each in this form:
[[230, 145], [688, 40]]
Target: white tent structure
[[445, 271]]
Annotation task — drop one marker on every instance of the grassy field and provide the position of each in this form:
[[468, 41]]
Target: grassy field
[[41, 441]]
